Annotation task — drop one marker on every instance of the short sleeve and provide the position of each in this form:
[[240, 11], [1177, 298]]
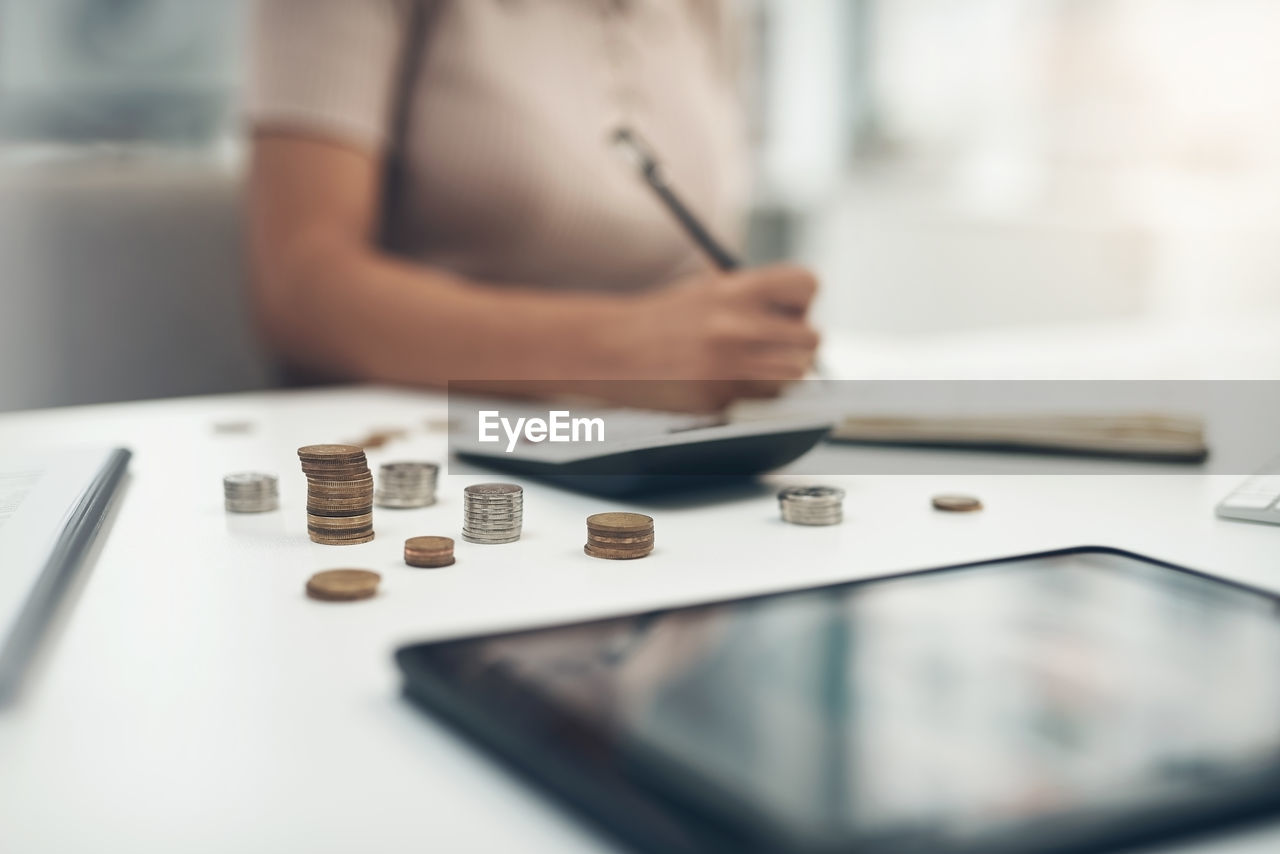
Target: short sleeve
[[326, 66]]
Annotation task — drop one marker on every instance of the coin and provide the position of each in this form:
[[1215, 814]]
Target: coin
[[343, 585], [340, 523], [492, 513], [620, 522], [339, 494], [811, 494], [494, 489], [619, 536], [430, 545], [250, 492], [406, 485], [429, 552], [812, 505], [603, 539], [955, 503], [331, 452], [340, 541], [615, 554]]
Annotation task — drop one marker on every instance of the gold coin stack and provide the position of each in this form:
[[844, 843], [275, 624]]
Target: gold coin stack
[[428, 552], [619, 536], [339, 494]]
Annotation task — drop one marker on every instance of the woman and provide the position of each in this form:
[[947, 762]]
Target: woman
[[433, 197]]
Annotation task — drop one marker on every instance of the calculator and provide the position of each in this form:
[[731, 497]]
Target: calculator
[[1255, 500]]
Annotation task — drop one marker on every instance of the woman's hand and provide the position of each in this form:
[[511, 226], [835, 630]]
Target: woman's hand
[[720, 336], [334, 302]]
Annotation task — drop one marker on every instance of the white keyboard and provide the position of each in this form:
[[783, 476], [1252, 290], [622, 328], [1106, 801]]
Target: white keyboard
[[1255, 500]]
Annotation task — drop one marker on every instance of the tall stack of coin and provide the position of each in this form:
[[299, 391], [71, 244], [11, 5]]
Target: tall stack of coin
[[404, 485], [492, 513], [339, 494], [812, 505], [619, 536], [429, 552], [250, 492]]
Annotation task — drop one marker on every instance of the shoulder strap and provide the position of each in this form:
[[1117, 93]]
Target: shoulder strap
[[418, 20]]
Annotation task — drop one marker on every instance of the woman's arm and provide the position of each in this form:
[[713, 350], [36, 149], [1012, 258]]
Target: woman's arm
[[331, 300]]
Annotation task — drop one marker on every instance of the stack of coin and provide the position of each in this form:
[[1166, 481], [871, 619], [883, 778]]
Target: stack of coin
[[339, 494], [404, 485], [428, 552], [619, 536], [812, 505], [250, 492], [492, 513]]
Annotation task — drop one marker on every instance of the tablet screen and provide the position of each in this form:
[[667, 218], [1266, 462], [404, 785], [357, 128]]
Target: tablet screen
[[959, 709]]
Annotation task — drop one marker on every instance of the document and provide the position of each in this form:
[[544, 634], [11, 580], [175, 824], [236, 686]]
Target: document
[[52, 504]]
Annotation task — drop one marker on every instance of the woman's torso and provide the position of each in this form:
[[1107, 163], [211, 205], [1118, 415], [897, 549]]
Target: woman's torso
[[502, 116]]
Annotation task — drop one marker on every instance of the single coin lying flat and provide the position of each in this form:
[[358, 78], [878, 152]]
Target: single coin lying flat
[[954, 503], [343, 585]]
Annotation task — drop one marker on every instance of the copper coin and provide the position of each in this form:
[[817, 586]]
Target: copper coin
[[429, 545], [615, 554], [610, 542], [620, 531], [957, 503], [343, 585], [621, 522], [430, 563], [330, 511], [429, 552], [611, 551], [340, 530]]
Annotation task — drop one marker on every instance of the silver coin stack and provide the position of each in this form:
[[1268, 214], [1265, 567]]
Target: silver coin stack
[[492, 513], [251, 492], [812, 505], [405, 485]]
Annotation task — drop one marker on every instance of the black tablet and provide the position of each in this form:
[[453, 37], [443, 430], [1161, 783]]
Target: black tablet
[[1072, 701]]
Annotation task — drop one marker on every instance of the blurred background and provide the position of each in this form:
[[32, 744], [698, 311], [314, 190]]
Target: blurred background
[[952, 168]]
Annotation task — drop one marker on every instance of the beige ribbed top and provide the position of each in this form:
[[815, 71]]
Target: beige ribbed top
[[499, 115]]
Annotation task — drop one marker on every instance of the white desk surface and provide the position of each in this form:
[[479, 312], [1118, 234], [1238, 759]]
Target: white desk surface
[[193, 699]]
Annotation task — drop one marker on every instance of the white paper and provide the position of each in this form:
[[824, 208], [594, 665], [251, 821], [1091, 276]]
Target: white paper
[[38, 493]]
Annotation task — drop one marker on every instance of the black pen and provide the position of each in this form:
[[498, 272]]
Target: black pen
[[629, 142]]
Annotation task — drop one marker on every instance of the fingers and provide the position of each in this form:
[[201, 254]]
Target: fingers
[[779, 365], [771, 331], [784, 288], [758, 334]]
